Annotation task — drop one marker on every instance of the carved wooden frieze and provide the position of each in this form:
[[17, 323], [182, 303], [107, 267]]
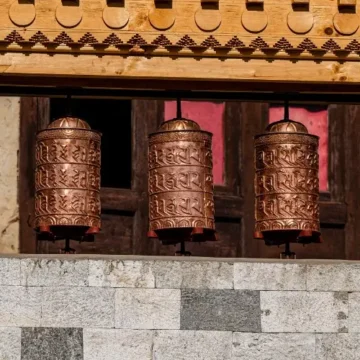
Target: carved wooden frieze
[[158, 32]]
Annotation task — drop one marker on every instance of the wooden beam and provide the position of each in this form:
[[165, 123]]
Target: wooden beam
[[34, 116], [125, 200], [333, 213], [210, 69], [254, 46]]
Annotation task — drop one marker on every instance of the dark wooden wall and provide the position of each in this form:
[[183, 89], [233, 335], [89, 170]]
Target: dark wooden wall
[[125, 211]]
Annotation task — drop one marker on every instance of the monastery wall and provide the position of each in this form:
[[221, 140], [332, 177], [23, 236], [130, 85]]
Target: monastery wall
[[145, 308], [9, 160]]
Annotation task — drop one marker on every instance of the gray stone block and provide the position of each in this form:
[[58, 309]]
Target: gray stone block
[[122, 274], [354, 312], [221, 310], [192, 345], [111, 344], [193, 275], [9, 271], [269, 276], [273, 346], [10, 343], [51, 344], [299, 311], [147, 309], [337, 346], [20, 306], [54, 272], [333, 277], [78, 307], [341, 303]]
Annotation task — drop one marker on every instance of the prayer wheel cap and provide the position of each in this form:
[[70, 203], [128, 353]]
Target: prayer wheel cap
[[286, 126], [180, 125], [69, 122]]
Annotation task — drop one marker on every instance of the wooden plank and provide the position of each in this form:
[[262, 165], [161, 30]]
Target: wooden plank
[[119, 200], [253, 119], [28, 125], [210, 69], [113, 88], [227, 206], [263, 45], [336, 153], [146, 118], [114, 238], [350, 116], [34, 116], [333, 213], [332, 247], [232, 134]]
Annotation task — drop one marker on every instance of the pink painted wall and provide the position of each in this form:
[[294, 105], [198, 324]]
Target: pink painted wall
[[317, 124], [210, 118]]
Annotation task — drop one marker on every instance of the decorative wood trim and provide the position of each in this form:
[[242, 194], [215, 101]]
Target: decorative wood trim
[[221, 46], [308, 46]]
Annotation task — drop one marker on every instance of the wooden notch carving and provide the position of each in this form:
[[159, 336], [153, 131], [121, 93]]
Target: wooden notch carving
[[350, 3], [256, 5], [115, 15], [162, 16], [210, 4], [347, 6], [22, 12], [300, 5], [26, 2], [208, 17], [69, 13], [115, 3], [70, 2], [163, 4]]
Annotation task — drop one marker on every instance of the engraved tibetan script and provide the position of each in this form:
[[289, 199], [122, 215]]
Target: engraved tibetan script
[[180, 180]]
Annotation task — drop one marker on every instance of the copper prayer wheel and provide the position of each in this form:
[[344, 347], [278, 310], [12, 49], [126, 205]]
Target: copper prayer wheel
[[67, 180], [181, 204], [286, 184]]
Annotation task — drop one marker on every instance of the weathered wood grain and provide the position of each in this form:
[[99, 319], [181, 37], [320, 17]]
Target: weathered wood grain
[[258, 44]]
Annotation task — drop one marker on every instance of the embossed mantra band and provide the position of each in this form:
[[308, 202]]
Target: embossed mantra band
[[181, 183], [67, 180], [286, 184]]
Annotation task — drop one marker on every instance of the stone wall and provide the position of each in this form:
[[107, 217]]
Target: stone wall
[[97, 308], [9, 152]]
